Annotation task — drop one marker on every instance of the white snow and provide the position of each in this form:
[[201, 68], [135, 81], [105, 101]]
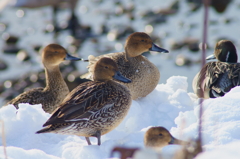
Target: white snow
[[169, 105]]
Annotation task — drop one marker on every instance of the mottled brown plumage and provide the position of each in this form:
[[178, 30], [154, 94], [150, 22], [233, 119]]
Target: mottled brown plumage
[[93, 108], [56, 89], [217, 78], [144, 74], [158, 137]]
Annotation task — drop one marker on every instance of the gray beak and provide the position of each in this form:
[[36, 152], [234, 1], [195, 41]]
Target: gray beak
[[172, 141], [158, 49], [211, 57], [177, 142], [118, 76], [71, 58]]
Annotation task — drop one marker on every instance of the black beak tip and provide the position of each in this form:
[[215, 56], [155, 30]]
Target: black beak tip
[[118, 76], [72, 58], [158, 49], [80, 59], [128, 81]]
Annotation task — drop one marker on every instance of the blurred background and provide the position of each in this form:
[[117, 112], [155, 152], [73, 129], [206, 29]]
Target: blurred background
[[95, 27]]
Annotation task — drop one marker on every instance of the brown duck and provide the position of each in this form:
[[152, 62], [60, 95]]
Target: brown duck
[[217, 78], [93, 108], [56, 89], [144, 74], [158, 137]]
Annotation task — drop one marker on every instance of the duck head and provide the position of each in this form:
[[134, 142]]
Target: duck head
[[158, 137], [54, 54], [106, 69], [138, 43], [225, 51]]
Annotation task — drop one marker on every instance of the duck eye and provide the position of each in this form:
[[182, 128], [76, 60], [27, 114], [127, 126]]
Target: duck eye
[[106, 67], [142, 40], [160, 134]]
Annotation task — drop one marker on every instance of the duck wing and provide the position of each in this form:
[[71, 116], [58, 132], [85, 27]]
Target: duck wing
[[221, 77], [82, 102], [27, 97]]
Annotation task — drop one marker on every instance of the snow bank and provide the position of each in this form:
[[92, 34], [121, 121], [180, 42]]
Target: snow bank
[[221, 120], [169, 105]]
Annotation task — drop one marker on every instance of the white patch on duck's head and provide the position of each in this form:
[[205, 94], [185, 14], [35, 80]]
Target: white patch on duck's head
[[227, 57]]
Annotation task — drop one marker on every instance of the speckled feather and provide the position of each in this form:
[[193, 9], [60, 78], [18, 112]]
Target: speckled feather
[[222, 76], [91, 107], [56, 89], [50, 96], [144, 74]]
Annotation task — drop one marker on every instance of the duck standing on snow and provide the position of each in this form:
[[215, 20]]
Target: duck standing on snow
[[217, 78], [56, 89], [158, 137], [93, 108], [144, 74]]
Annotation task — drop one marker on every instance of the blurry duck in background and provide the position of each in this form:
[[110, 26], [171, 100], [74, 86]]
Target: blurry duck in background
[[217, 78], [155, 139], [93, 108], [158, 137], [144, 74], [56, 89]]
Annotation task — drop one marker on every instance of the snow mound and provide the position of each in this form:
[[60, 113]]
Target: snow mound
[[169, 105]]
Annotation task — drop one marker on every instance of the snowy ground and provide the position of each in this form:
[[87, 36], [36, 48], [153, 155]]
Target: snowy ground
[[169, 105]]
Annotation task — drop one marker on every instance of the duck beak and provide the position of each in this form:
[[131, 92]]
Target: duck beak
[[211, 57], [71, 58], [118, 76], [176, 141], [158, 49]]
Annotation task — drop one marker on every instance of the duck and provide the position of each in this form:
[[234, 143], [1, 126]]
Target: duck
[[133, 65], [217, 78], [93, 108], [56, 88], [157, 137]]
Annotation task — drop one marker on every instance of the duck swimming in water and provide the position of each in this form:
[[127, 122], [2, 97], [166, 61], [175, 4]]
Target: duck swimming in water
[[56, 89], [93, 108], [217, 78], [144, 74]]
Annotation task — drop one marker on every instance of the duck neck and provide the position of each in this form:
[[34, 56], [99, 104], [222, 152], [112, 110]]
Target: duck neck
[[129, 58], [99, 79], [54, 79]]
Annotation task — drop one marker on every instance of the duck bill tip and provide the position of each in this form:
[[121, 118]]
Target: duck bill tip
[[118, 76], [211, 57], [158, 49], [72, 58], [175, 141]]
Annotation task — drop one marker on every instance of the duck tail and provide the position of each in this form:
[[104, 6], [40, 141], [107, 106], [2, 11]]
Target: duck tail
[[44, 130]]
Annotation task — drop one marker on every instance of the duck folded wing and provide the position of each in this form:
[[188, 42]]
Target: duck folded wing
[[224, 76], [27, 97], [82, 103]]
